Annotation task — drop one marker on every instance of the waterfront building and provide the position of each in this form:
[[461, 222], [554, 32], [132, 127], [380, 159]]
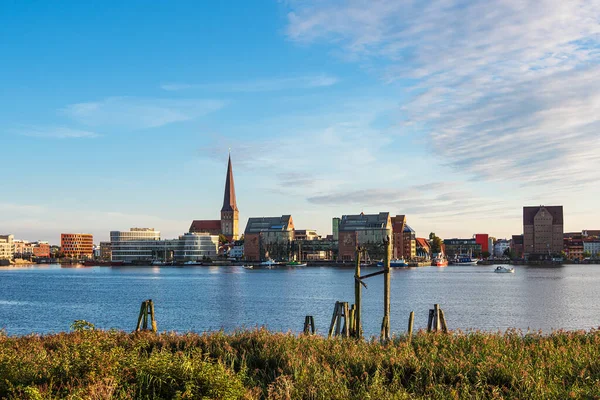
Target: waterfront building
[[423, 248], [573, 248], [237, 250], [335, 228], [456, 246], [542, 230], [409, 243], [592, 246], [137, 244], [77, 245], [105, 251], [7, 247], [268, 237], [41, 249], [516, 245], [365, 230], [315, 249], [398, 225], [228, 225], [23, 249], [195, 247], [483, 240], [500, 247]]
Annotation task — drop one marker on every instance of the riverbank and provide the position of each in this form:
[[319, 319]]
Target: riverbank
[[260, 364]]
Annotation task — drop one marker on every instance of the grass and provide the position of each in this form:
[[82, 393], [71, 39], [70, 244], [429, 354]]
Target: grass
[[93, 364]]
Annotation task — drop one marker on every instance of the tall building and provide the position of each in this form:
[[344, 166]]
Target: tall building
[[483, 240], [365, 230], [77, 245], [228, 225], [7, 247], [335, 228], [542, 230], [398, 225], [229, 211], [268, 237]]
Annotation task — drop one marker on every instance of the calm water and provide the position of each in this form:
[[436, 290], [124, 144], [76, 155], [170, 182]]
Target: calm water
[[48, 298]]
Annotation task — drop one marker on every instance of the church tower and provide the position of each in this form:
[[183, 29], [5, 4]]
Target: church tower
[[229, 212]]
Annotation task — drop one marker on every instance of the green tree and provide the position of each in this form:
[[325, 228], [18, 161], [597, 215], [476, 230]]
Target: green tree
[[435, 242], [223, 239]]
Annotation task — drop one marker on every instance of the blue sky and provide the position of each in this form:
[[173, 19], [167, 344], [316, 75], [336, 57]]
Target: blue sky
[[455, 113]]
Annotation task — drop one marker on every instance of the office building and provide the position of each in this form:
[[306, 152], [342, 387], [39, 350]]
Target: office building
[[543, 230], [77, 245]]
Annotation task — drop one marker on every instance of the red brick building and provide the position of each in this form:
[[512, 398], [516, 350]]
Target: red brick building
[[268, 237], [483, 240], [77, 245], [41, 250], [362, 229]]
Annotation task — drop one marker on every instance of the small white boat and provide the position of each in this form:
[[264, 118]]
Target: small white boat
[[158, 263], [503, 269], [268, 264], [247, 266]]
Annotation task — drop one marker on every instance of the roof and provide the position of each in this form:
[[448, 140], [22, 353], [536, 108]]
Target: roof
[[365, 221], [264, 224], [529, 214], [407, 228], [205, 225], [229, 201], [422, 242]]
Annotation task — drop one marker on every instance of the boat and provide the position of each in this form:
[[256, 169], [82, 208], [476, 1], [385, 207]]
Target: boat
[[504, 269], [192, 263], [464, 259], [158, 263], [439, 261], [395, 263], [248, 266], [296, 264]]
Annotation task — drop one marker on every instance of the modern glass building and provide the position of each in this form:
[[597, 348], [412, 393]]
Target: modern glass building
[[196, 246]]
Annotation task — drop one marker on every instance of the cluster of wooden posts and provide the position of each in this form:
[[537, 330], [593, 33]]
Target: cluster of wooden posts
[[346, 319], [146, 315]]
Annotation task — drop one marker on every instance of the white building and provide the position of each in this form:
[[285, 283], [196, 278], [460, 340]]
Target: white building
[[592, 247], [500, 247], [137, 244], [7, 247], [237, 252], [196, 246]]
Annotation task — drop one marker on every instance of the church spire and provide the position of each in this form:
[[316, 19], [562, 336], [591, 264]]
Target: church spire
[[229, 202]]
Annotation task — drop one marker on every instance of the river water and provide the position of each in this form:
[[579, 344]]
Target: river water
[[45, 299]]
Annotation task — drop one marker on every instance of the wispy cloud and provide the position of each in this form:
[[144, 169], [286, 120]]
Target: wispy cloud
[[259, 85], [54, 132], [506, 90], [139, 112]]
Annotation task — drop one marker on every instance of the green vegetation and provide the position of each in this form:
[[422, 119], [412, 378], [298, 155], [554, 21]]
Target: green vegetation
[[95, 364]]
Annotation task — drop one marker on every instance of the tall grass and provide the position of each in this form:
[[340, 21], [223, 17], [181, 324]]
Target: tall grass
[[259, 364]]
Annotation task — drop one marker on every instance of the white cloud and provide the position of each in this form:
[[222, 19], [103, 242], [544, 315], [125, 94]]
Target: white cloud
[[260, 85], [507, 90], [54, 132], [139, 112]]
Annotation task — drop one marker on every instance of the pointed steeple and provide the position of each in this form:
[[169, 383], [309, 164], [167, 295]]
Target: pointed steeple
[[229, 202]]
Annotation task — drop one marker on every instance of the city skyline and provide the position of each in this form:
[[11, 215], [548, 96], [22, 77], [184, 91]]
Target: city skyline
[[328, 110]]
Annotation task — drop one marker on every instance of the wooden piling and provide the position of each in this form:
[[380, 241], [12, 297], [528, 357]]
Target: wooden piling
[[333, 319], [430, 321], [436, 317], [146, 313], [309, 325], [411, 320], [443, 321], [385, 325], [352, 321], [357, 294]]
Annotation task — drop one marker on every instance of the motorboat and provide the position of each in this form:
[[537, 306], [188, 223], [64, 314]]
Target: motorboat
[[296, 264], [464, 259], [248, 266], [158, 263], [503, 269], [439, 261], [268, 264]]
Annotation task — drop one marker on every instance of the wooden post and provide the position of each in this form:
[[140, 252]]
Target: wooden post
[[411, 320], [346, 328], [151, 304], [333, 319], [436, 317], [385, 325], [357, 293], [429, 321], [352, 321], [309, 325], [443, 320], [146, 311]]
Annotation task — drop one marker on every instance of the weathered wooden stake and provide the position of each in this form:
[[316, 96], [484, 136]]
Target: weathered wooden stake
[[337, 326], [430, 321], [411, 320], [385, 324], [357, 295], [436, 317], [443, 320], [352, 321], [309, 325], [333, 319], [146, 311]]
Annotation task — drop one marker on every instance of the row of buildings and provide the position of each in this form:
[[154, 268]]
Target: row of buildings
[[277, 238]]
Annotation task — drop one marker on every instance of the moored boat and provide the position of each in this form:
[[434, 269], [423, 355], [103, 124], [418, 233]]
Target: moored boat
[[296, 264], [395, 263], [439, 261], [463, 259]]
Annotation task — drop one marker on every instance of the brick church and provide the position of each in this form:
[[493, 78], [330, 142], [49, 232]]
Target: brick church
[[228, 225]]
